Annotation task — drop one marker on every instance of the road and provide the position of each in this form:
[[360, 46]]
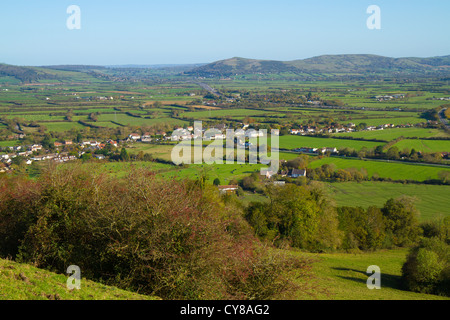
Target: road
[[443, 118], [209, 89]]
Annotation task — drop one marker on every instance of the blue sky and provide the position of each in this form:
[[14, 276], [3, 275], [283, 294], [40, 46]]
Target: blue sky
[[174, 31]]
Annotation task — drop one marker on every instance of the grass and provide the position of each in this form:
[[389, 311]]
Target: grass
[[392, 134], [25, 282], [432, 200], [294, 141], [393, 170], [224, 172], [61, 126], [343, 276], [241, 113], [10, 143], [121, 169], [424, 145], [133, 121], [159, 151], [381, 121]]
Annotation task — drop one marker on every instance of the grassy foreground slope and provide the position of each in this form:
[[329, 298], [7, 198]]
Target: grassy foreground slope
[[344, 276], [24, 282]]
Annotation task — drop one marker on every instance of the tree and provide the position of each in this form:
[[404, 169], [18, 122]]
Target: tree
[[379, 150], [248, 183], [444, 175], [401, 221], [427, 267], [392, 153], [124, 156], [86, 157], [157, 104], [363, 229], [294, 217], [47, 141]]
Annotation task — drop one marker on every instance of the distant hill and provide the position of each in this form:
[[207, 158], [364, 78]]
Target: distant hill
[[23, 74], [77, 68], [53, 74], [157, 66], [360, 64]]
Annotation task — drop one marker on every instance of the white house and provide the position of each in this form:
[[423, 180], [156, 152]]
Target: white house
[[134, 136]]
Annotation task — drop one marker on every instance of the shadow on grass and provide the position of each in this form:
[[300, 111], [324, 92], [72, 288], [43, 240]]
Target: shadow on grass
[[387, 280]]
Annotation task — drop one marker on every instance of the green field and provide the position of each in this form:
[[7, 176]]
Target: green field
[[393, 170], [382, 121], [432, 200], [342, 276], [238, 113], [424, 145], [61, 126], [392, 134], [11, 143], [225, 172], [294, 142], [125, 120]]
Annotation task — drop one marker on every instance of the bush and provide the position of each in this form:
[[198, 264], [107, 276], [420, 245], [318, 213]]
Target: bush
[[177, 240], [363, 229], [401, 222], [439, 228], [427, 268], [17, 198], [294, 217]]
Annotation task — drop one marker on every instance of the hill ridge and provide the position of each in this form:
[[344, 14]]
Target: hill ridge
[[328, 64]]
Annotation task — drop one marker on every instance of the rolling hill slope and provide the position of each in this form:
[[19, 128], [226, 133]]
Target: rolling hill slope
[[362, 64]]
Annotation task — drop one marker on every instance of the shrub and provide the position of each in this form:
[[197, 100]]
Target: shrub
[[427, 268], [401, 221], [439, 228], [17, 198], [363, 229], [177, 240], [294, 217]]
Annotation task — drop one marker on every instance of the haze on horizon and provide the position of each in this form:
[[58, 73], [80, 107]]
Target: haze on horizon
[[179, 32]]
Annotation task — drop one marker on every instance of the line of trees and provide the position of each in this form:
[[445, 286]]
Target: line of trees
[[305, 217]]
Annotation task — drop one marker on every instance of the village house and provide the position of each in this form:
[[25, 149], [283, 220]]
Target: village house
[[134, 136], [35, 147], [295, 173], [112, 142], [306, 150], [330, 150], [219, 136], [268, 174], [228, 189], [146, 137], [99, 156]]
